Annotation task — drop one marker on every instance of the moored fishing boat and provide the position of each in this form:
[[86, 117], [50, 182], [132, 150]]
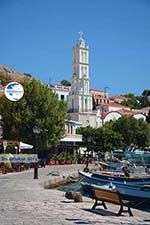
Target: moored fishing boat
[[116, 178]]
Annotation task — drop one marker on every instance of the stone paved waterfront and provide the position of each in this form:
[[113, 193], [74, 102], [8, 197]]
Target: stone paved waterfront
[[24, 201]]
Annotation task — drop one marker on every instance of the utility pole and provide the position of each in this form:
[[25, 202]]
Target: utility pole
[[103, 104], [105, 92]]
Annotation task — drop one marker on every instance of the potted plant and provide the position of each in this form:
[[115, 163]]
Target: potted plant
[[69, 158], [62, 158], [81, 159], [51, 160]]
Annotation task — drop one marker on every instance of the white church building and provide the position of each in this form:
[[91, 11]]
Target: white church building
[[80, 97]]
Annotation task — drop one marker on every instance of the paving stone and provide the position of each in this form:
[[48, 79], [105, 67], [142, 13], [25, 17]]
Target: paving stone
[[24, 201]]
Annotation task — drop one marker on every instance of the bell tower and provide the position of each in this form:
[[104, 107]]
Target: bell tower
[[80, 97]]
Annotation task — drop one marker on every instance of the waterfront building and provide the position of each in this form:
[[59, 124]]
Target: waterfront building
[[71, 141], [118, 99], [61, 91], [113, 106], [114, 115], [145, 110], [100, 97]]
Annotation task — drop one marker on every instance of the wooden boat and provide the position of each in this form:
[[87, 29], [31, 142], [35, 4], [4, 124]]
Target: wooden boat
[[116, 178]]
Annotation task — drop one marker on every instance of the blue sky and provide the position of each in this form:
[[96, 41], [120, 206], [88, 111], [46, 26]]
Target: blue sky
[[37, 37]]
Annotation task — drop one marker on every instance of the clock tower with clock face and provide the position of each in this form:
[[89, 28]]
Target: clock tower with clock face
[[80, 99]]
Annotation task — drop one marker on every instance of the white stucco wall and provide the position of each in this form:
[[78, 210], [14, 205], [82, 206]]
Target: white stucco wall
[[116, 108], [115, 115], [112, 116], [139, 116]]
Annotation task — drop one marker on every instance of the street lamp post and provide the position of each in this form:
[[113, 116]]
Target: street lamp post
[[1, 127], [36, 131], [86, 169]]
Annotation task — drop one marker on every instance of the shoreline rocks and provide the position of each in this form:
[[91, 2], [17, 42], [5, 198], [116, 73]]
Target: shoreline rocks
[[56, 180], [76, 196]]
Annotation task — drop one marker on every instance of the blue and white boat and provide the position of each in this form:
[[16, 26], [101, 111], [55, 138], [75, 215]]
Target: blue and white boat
[[116, 178]]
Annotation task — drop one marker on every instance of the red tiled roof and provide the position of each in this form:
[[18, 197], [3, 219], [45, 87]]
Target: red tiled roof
[[114, 104], [126, 112], [118, 97], [96, 90], [123, 112]]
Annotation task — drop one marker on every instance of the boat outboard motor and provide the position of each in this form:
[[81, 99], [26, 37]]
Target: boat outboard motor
[[125, 166], [126, 172]]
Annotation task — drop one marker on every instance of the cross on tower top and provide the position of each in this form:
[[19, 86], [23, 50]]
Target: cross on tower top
[[80, 35]]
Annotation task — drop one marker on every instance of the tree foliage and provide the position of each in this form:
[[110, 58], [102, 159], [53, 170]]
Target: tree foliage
[[28, 75], [65, 83], [102, 137], [117, 134], [145, 99], [38, 107], [137, 102], [132, 101], [148, 117], [133, 131]]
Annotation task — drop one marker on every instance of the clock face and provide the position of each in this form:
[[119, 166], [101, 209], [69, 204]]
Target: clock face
[[14, 91]]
